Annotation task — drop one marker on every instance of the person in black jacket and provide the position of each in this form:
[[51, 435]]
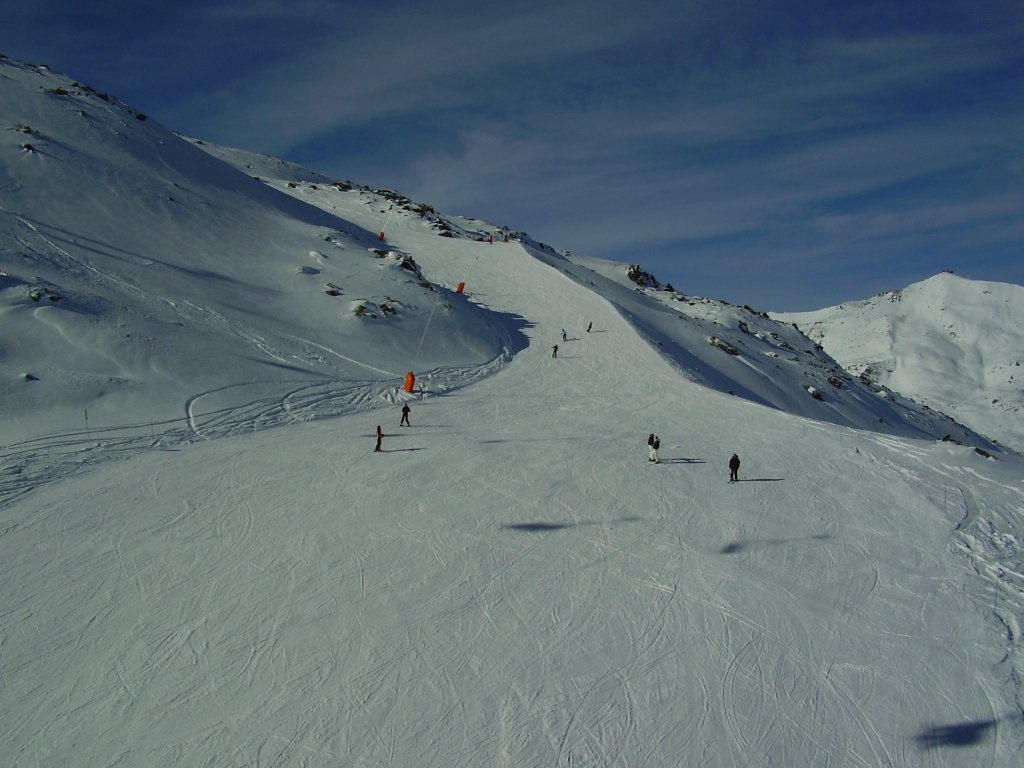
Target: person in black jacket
[[734, 469]]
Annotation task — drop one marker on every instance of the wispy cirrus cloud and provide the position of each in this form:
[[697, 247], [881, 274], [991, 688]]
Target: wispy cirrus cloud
[[411, 62]]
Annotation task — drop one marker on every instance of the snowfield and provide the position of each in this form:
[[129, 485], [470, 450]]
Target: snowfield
[[205, 563]]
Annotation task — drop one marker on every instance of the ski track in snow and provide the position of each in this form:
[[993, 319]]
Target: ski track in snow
[[346, 608], [28, 464]]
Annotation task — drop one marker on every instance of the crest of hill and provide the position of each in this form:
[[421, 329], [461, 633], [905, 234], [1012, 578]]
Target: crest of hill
[[952, 343]]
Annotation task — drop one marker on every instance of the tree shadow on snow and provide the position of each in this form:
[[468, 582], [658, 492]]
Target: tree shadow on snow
[[955, 735], [736, 547]]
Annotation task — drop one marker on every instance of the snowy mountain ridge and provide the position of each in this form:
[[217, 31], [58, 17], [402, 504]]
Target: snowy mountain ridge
[[207, 563], [954, 344]]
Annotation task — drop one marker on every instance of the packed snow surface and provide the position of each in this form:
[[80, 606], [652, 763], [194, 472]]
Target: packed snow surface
[[205, 562]]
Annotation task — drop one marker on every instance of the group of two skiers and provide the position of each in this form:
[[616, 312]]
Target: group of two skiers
[[654, 443], [403, 423]]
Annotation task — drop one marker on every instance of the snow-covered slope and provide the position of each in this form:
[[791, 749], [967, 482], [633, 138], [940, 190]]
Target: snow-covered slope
[[736, 350], [954, 344], [137, 273], [205, 562]]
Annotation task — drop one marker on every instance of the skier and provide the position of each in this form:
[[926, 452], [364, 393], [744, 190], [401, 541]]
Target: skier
[[554, 351], [564, 337], [734, 469], [380, 438], [655, 443], [405, 416]]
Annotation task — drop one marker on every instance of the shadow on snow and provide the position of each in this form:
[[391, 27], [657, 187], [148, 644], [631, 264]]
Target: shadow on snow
[[549, 527], [955, 735], [736, 547]]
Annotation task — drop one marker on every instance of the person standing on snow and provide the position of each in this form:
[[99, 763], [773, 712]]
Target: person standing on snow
[[554, 351], [405, 416], [564, 337], [734, 469], [380, 439], [653, 444]]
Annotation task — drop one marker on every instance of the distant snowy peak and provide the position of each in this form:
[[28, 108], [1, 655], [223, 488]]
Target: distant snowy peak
[[949, 342]]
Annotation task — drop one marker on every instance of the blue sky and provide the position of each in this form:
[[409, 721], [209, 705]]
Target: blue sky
[[786, 155]]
